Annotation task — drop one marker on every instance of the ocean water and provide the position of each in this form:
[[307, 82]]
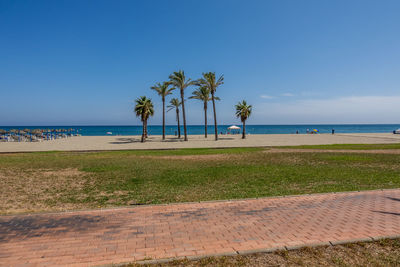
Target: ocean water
[[199, 129]]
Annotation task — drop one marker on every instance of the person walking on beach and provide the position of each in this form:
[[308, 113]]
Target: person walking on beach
[[333, 131]]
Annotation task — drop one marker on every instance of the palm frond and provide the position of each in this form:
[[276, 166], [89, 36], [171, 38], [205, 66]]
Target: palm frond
[[210, 81], [202, 93], [178, 80], [243, 111], [174, 103], [163, 89], [144, 108]]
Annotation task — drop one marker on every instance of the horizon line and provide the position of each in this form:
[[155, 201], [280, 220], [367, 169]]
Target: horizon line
[[209, 125]]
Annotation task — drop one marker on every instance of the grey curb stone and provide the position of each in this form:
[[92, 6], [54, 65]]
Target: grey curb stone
[[158, 261], [233, 253], [313, 245], [262, 250], [377, 238], [356, 240]]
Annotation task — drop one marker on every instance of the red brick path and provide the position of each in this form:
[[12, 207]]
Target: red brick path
[[128, 234]]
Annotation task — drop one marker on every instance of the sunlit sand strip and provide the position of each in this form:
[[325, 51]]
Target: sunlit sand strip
[[92, 143]]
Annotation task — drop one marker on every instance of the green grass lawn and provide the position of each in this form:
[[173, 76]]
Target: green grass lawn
[[69, 180], [348, 146]]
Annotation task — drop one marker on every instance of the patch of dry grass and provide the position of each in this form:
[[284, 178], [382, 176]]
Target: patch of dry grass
[[380, 253], [32, 189]]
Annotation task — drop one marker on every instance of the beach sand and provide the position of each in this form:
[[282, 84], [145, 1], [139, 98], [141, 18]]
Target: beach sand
[[93, 143]]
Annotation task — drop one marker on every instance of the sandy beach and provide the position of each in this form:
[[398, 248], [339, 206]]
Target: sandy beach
[[93, 143]]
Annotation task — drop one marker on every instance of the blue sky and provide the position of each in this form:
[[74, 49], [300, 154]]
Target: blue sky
[[84, 62]]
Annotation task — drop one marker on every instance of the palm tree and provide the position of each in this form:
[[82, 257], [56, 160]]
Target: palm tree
[[174, 104], [144, 109], [178, 80], [163, 90], [243, 111], [212, 83], [203, 93]]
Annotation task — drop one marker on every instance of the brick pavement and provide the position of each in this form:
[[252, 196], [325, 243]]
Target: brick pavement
[[85, 238]]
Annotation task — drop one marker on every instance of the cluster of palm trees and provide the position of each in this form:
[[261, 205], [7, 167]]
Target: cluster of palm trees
[[206, 88]]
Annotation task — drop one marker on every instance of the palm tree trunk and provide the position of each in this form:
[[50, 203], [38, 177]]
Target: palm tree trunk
[[179, 125], [205, 119], [163, 118], [143, 133], [215, 117], [145, 127], [244, 130], [184, 115]]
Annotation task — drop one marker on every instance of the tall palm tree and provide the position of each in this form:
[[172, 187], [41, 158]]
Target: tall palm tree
[[163, 90], [203, 94], [178, 80], [243, 111], [209, 80], [144, 109], [174, 104]]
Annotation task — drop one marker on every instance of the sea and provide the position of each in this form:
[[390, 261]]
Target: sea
[[199, 129]]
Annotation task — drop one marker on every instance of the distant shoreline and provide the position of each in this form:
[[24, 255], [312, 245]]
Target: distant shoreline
[[127, 130]]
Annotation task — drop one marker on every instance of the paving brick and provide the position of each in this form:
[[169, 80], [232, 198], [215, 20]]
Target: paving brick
[[193, 230]]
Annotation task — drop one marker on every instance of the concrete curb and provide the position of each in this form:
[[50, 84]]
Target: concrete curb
[[313, 245], [356, 240], [262, 250], [377, 238]]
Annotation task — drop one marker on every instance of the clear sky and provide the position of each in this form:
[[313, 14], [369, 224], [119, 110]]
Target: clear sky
[[84, 62]]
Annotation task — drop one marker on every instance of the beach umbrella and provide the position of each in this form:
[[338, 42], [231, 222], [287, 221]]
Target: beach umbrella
[[234, 127]]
